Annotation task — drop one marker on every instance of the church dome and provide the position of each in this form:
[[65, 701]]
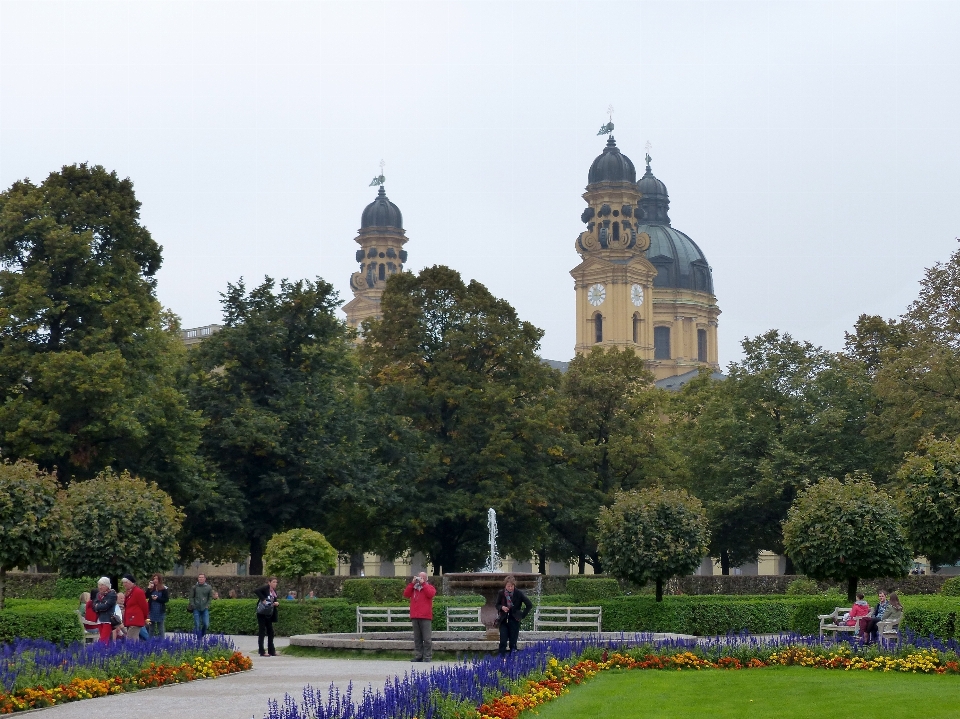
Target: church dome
[[612, 166], [381, 213]]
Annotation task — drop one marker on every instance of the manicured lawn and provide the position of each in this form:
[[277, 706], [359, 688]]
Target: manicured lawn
[[775, 692]]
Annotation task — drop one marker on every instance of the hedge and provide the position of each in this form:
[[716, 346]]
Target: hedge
[[373, 591], [584, 591], [53, 623]]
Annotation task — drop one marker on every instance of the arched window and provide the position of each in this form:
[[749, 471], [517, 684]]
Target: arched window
[[616, 231], [383, 272], [598, 326], [636, 328], [701, 345], [661, 343]]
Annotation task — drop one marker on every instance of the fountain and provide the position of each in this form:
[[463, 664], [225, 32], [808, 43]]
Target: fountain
[[489, 580]]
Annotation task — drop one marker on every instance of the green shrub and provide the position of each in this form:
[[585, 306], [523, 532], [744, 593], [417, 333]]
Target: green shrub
[[926, 615], [69, 588], [951, 587], [802, 586], [585, 591], [374, 591], [53, 623]]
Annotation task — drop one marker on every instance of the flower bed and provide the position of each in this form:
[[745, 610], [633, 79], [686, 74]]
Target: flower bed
[[36, 673], [491, 688]]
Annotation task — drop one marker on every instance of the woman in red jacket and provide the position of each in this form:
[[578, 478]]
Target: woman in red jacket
[[135, 607]]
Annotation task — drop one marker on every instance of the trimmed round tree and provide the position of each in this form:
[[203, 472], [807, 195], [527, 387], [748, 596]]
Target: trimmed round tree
[[29, 517], [117, 524], [931, 493], [844, 530], [299, 552], [652, 535]]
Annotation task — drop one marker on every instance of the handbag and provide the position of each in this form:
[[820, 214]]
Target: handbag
[[264, 607]]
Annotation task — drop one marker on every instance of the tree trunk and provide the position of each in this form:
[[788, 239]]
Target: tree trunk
[[356, 564], [725, 563], [256, 557], [3, 585], [788, 567], [582, 563], [542, 561], [659, 583], [851, 589], [597, 563]]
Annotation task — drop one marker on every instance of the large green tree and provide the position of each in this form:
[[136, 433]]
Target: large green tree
[[617, 426], [284, 431], [298, 552], [88, 361], [459, 392], [653, 534], [846, 530], [30, 517], [115, 524], [930, 483], [787, 412]]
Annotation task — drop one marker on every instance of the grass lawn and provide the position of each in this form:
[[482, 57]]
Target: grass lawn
[[781, 692]]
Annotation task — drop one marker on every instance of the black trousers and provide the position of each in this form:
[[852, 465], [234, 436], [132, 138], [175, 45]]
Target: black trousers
[[265, 627], [509, 632]]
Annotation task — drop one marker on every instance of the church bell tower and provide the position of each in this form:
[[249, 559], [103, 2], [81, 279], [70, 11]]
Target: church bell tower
[[614, 280]]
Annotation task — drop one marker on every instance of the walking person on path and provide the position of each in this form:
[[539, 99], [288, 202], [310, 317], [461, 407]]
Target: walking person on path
[[157, 597], [420, 593], [135, 607], [267, 599], [105, 605], [199, 603], [512, 607]]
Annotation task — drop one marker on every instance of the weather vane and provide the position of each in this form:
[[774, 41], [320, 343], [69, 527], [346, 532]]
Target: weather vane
[[648, 147], [379, 179], [608, 128]]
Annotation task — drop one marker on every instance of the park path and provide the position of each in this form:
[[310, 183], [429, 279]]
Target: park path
[[238, 696]]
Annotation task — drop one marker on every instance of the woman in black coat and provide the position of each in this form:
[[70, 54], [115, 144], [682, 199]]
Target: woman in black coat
[[512, 607], [267, 593]]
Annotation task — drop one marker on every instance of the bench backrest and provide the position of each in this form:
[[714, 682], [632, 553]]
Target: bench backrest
[[463, 617], [568, 617], [382, 617]]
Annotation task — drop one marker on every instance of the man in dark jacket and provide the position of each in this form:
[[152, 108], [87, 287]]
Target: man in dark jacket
[[199, 603], [267, 596], [512, 607]]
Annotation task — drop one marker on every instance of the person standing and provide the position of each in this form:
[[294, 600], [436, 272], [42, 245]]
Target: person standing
[[420, 593], [512, 606], [157, 597], [105, 605], [267, 598], [199, 603], [135, 607]]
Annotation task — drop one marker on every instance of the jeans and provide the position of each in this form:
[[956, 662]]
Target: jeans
[[201, 621], [509, 632], [422, 640], [156, 626]]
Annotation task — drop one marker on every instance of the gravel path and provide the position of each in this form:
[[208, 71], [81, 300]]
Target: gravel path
[[239, 696]]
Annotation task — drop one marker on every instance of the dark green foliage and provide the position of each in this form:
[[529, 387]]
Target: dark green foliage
[[931, 615], [53, 623], [374, 591], [72, 588], [930, 484], [951, 587], [585, 591], [802, 586]]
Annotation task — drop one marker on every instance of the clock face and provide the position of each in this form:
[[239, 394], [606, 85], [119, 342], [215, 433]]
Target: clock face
[[596, 294], [636, 295]]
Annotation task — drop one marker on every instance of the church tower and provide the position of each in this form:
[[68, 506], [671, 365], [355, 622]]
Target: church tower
[[641, 283], [614, 282], [381, 254]]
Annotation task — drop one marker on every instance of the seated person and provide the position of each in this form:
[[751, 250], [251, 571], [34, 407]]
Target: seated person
[[868, 626], [88, 614], [859, 609], [292, 595], [118, 632], [895, 612]]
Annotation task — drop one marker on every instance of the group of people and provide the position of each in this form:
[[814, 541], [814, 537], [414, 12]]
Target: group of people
[[868, 620], [133, 614], [511, 603]]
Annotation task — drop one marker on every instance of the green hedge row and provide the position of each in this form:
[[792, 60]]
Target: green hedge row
[[53, 623]]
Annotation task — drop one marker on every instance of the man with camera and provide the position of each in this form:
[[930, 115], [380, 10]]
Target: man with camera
[[421, 593]]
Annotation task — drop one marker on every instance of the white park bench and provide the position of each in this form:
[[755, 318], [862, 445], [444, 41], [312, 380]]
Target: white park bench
[[833, 623], [91, 631], [383, 617], [463, 618], [567, 618]]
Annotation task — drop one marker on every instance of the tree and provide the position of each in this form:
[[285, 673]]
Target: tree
[[117, 524], [846, 530], [653, 534], [459, 394], [29, 517], [930, 483], [89, 364], [285, 430], [788, 411], [298, 552], [615, 418]]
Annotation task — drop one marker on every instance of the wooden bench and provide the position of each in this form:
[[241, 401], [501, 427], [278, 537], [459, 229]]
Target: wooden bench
[[832, 622], [383, 617], [464, 618], [91, 632], [889, 629], [568, 617]]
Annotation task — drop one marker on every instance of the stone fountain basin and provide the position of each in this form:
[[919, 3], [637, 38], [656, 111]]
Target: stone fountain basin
[[488, 585]]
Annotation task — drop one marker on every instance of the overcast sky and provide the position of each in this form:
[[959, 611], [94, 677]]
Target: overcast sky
[[810, 149]]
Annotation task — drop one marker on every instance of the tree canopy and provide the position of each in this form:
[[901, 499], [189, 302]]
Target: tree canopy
[[298, 552], [930, 483]]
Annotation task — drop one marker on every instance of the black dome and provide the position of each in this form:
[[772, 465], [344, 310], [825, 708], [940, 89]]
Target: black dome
[[381, 213], [654, 200], [612, 166]]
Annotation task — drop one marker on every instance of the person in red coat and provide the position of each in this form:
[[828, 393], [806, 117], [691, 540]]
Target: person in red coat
[[135, 609], [421, 593]]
